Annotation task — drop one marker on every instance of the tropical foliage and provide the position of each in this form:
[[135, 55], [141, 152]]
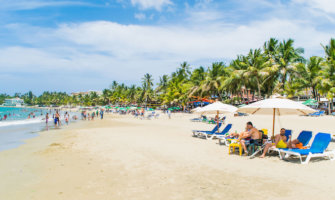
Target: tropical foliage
[[276, 68]]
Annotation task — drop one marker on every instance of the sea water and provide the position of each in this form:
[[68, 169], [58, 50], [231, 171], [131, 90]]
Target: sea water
[[23, 123]]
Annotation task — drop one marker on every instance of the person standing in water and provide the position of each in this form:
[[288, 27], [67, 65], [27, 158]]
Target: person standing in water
[[57, 119], [47, 118], [67, 116]]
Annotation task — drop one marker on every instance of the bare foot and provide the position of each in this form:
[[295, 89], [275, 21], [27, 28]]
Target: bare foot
[[262, 156]]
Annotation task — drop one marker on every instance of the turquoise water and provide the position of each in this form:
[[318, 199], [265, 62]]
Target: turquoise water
[[19, 113], [18, 126]]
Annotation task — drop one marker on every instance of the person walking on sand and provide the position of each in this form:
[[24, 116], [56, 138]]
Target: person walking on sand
[[101, 114], [169, 113]]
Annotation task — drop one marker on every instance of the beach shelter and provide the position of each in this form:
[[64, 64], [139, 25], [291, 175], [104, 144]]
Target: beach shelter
[[217, 108], [276, 106], [311, 102], [133, 108], [196, 109]]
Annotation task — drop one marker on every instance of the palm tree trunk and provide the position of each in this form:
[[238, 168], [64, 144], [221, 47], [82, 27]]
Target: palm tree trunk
[[259, 90]]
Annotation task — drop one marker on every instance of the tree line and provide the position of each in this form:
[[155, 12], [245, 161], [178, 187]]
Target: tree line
[[276, 68]]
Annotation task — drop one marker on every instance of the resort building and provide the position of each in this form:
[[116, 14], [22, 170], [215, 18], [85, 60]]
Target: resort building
[[99, 93], [13, 102]]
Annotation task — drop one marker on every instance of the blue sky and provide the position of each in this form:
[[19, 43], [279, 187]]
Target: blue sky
[[79, 45]]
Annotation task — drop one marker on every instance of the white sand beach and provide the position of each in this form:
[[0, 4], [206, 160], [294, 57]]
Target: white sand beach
[[125, 158]]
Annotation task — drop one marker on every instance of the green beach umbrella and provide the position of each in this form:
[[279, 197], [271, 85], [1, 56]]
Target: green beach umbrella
[[311, 102]]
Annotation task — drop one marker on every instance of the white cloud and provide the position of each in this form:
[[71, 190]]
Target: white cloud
[[111, 47], [140, 16], [106, 51], [151, 4], [322, 5]]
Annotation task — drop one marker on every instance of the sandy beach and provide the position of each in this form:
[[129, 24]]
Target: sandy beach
[[121, 157]]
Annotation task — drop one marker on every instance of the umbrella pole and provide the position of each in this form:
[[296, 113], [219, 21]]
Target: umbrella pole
[[273, 127], [218, 121]]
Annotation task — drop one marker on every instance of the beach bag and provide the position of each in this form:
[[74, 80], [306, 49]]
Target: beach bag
[[300, 146]]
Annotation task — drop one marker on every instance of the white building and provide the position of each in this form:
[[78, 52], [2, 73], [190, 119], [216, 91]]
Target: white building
[[13, 102]]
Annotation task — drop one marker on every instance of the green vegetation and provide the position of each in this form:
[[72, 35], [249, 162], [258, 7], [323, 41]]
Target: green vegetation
[[276, 68]]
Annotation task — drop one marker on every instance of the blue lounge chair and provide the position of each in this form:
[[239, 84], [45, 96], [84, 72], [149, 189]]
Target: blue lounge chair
[[196, 119], [216, 134], [318, 149], [288, 133], [318, 114], [304, 137], [215, 129]]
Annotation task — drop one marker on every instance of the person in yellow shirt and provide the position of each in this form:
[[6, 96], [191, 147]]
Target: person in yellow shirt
[[280, 142]]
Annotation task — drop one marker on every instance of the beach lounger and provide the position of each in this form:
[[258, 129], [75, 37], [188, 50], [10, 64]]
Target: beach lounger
[[198, 132], [318, 149], [304, 137], [217, 135], [196, 119], [318, 114]]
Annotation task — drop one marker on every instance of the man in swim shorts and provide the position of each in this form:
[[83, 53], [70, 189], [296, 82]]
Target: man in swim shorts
[[251, 134], [280, 142]]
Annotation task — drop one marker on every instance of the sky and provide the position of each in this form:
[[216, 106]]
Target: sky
[[80, 45]]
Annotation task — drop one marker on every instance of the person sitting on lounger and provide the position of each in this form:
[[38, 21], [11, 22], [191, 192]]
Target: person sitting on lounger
[[246, 137], [280, 142]]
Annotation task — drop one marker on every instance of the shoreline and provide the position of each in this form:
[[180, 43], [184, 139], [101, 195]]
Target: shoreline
[[121, 157]]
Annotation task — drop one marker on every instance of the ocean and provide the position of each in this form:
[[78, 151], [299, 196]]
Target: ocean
[[23, 123]]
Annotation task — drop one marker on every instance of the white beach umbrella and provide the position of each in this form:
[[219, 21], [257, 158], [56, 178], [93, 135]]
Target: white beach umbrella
[[217, 108], [133, 108], [196, 109], [276, 106]]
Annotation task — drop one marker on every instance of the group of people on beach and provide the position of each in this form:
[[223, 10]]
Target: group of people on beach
[[57, 118], [85, 115], [252, 135]]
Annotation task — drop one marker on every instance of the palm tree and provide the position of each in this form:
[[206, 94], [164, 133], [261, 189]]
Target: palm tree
[[106, 93], [309, 74], [327, 85], [163, 83], [147, 83], [286, 58], [256, 65], [184, 71], [271, 48], [212, 85]]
